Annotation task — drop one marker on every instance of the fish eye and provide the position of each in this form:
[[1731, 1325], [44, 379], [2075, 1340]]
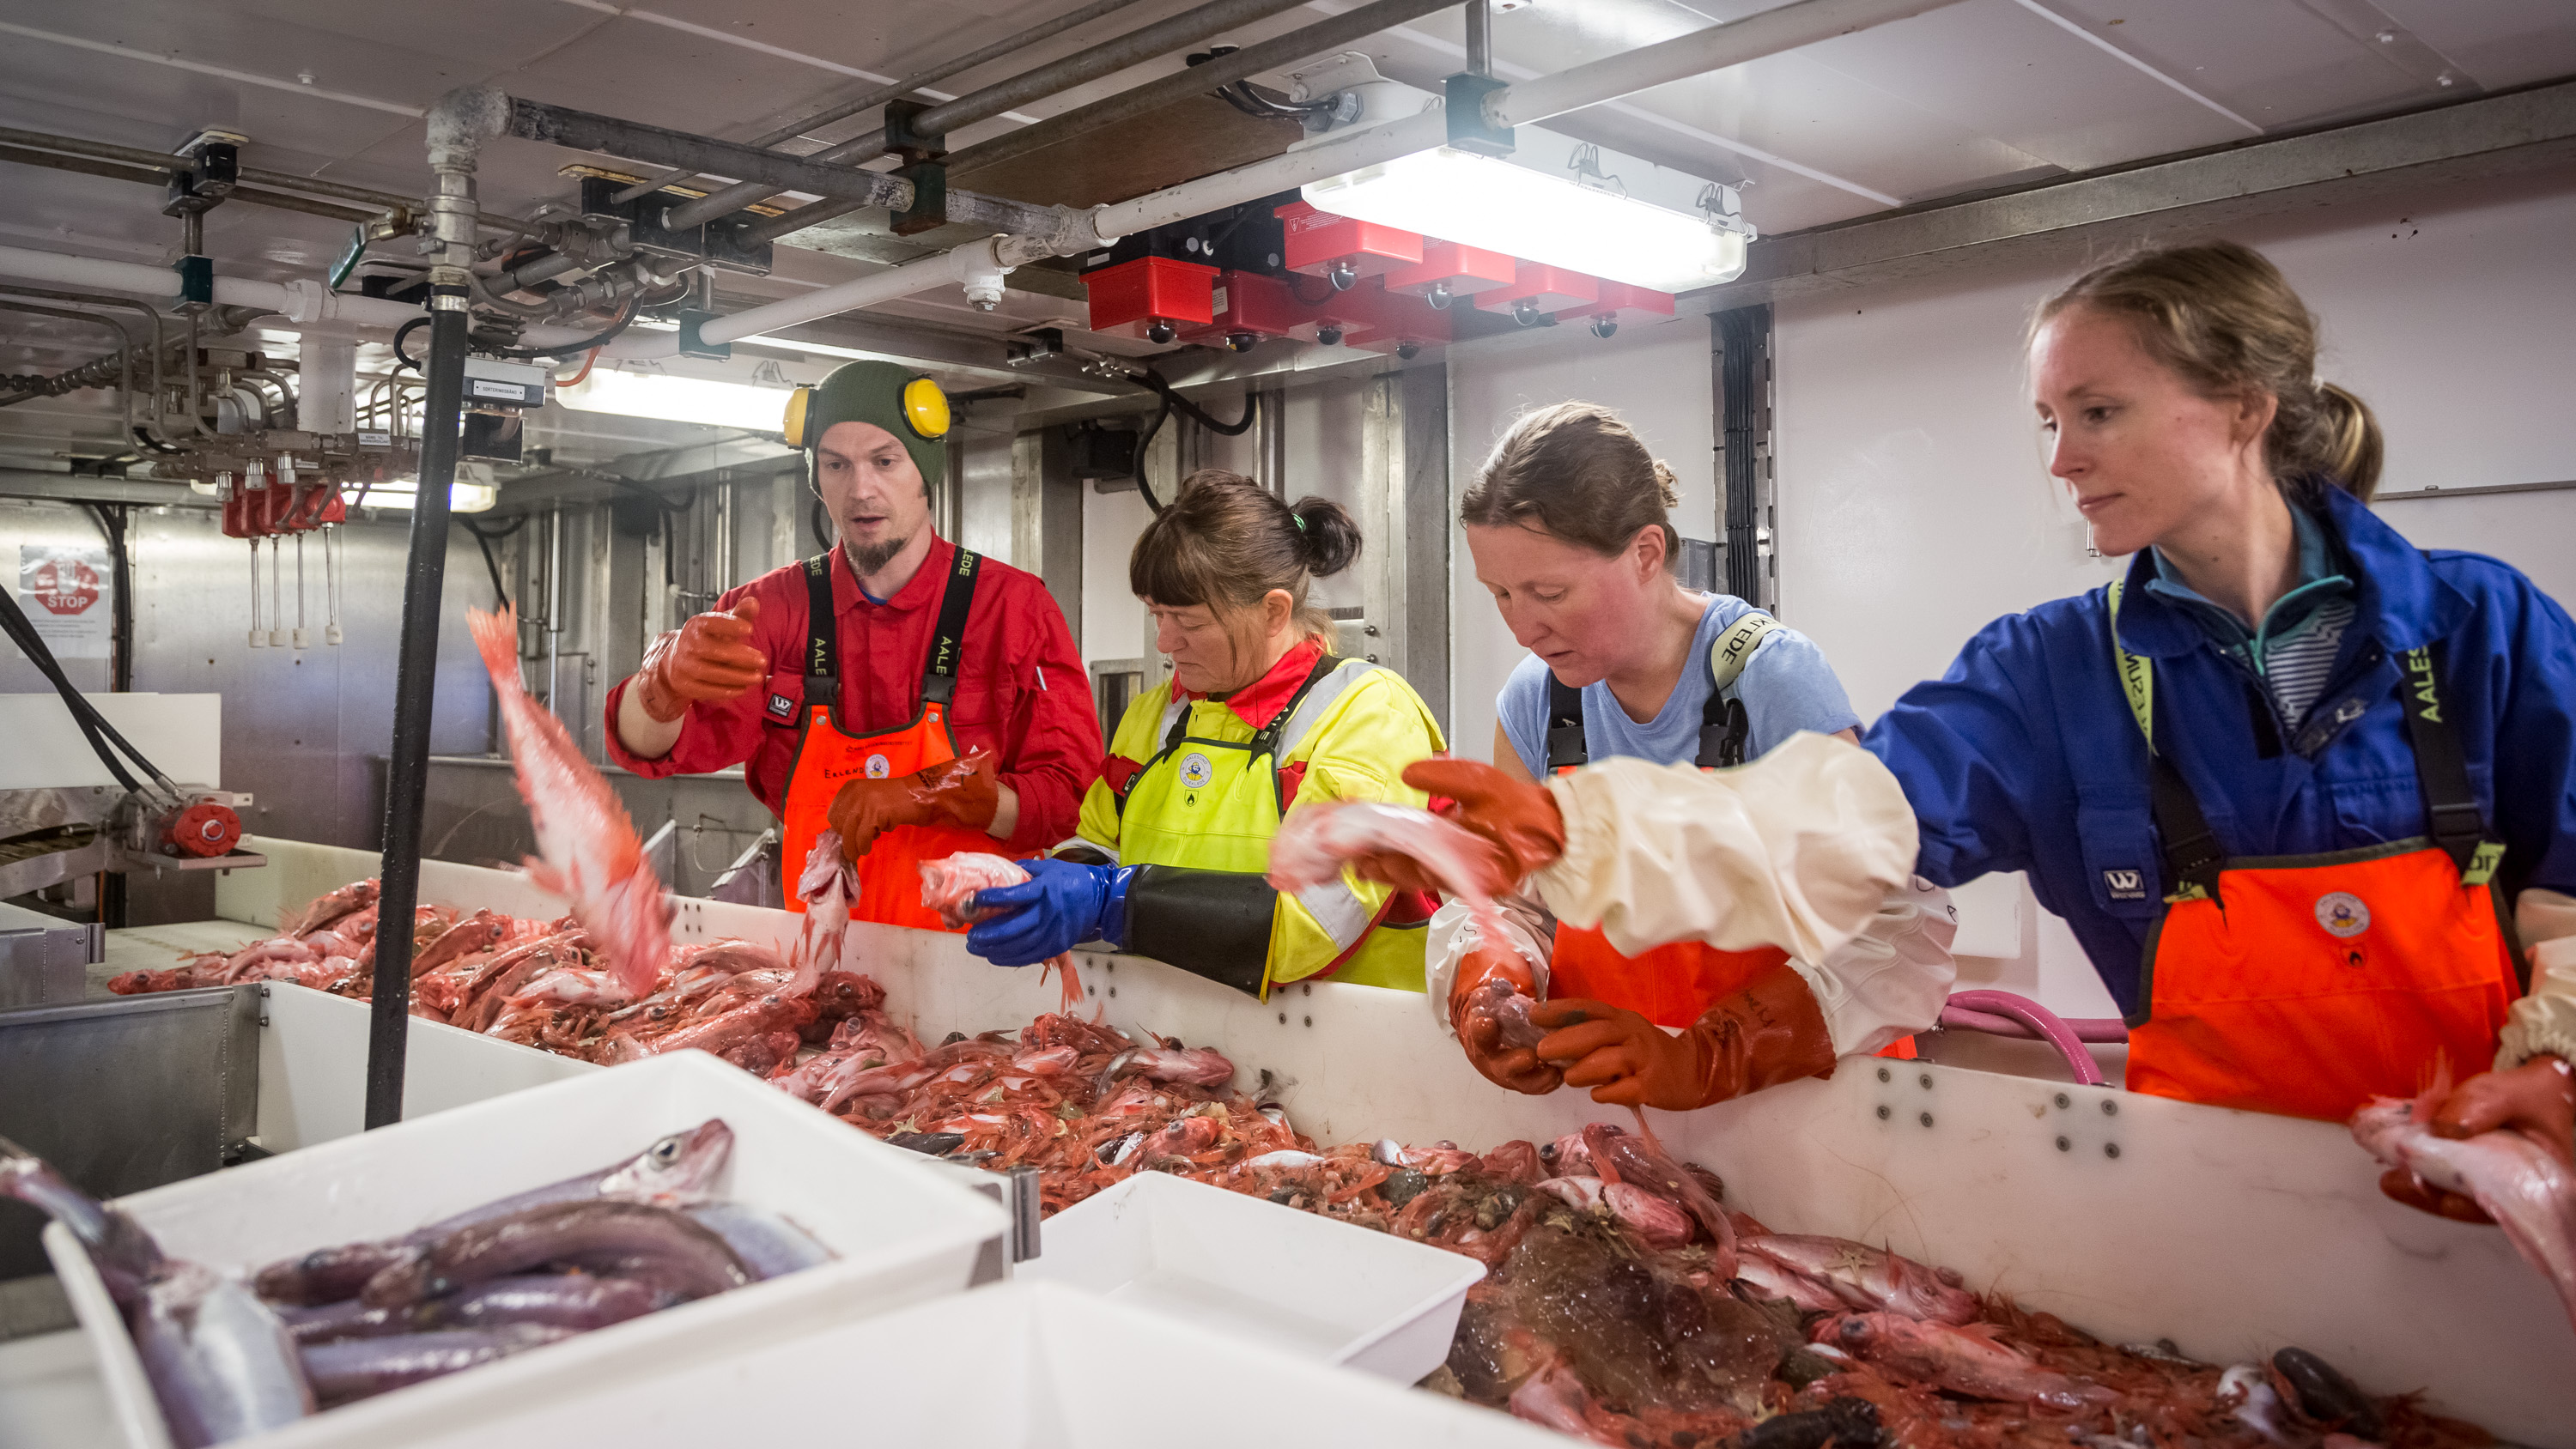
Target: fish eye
[[666, 1150]]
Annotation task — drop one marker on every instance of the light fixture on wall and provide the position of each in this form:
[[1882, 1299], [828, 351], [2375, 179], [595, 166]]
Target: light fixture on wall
[[670, 398], [1558, 201], [463, 495]]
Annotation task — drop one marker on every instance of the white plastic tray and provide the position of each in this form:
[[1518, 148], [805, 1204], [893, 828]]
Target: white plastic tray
[[1290, 1281], [903, 1233], [1020, 1364]]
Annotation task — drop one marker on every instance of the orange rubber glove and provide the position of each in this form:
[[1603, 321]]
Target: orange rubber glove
[[1480, 1035], [1517, 819], [2536, 1099], [964, 791], [1768, 1033], [710, 657]]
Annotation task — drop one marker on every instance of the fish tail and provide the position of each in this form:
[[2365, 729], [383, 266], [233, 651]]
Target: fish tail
[[496, 634], [2437, 1086]]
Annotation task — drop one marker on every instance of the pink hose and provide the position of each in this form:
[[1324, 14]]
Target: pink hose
[[2033, 1017]]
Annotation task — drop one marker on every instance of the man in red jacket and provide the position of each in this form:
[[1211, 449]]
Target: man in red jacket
[[917, 698]]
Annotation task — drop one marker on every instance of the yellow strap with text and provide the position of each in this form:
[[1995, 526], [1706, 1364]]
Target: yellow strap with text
[[2137, 676]]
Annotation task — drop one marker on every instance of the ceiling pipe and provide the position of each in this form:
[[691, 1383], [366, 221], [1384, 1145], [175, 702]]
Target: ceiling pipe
[[303, 302], [164, 164], [1107, 58], [1336, 33], [1713, 47], [874, 140]]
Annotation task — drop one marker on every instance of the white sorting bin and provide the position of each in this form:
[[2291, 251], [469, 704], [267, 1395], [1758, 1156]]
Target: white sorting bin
[[903, 1232], [1019, 1364], [1290, 1281]]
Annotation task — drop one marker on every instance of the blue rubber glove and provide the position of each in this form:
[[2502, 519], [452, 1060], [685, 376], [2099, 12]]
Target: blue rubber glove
[[1061, 905]]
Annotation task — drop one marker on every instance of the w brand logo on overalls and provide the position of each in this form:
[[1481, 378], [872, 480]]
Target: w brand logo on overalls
[[2419, 683], [2125, 885], [781, 707], [2342, 914]]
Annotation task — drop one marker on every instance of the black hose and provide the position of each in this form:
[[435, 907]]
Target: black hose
[[112, 521]]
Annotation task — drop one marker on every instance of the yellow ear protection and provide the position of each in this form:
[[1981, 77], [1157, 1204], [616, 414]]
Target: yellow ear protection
[[922, 407], [925, 409]]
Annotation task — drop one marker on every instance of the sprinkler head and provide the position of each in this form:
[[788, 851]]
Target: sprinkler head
[[1439, 296], [1242, 341], [1408, 350], [1344, 275], [1526, 312], [1603, 324], [1329, 335], [1159, 330]]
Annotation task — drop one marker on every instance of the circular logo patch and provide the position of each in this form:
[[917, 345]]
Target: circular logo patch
[[1195, 770], [2342, 914], [878, 768]]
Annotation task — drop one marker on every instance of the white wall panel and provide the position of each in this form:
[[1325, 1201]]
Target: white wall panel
[[1915, 505], [1657, 377]]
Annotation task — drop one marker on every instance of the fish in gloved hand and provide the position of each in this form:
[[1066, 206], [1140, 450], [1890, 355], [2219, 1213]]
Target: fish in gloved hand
[[2528, 1189], [1314, 843], [949, 886]]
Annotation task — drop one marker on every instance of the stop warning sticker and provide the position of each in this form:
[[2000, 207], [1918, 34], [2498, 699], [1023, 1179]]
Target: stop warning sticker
[[65, 590]]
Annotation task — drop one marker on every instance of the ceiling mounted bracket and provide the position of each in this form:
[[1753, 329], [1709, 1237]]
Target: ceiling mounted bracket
[[903, 140], [694, 345], [1469, 127], [929, 209]]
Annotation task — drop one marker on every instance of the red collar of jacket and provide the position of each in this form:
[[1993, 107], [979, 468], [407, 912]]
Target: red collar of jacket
[[1258, 703]]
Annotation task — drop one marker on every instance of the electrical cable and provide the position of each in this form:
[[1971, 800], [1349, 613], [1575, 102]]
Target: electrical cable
[[93, 725], [588, 362], [402, 358], [1171, 400], [484, 540], [633, 309], [1144, 443]]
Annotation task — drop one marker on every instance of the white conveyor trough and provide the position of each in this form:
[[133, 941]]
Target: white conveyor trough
[[2134, 1218]]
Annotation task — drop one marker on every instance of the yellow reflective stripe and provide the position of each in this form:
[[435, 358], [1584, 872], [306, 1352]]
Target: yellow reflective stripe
[[2137, 676], [2482, 864]]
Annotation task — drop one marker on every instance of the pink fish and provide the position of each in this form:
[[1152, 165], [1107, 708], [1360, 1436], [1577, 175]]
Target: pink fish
[[1627, 1157], [1314, 841], [1865, 1278], [829, 888], [1963, 1360], [1554, 1397], [2524, 1186], [587, 848], [948, 886]]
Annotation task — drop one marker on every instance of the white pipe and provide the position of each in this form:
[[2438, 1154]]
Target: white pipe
[[1701, 51], [303, 302], [326, 399]]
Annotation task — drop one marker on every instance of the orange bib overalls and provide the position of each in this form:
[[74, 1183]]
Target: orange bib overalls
[[827, 758], [2305, 985], [1669, 985]]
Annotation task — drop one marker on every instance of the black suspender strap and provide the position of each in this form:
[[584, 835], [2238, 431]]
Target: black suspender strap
[[1265, 740], [2191, 853], [2458, 827], [1722, 728], [822, 651], [1566, 749], [948, 644]]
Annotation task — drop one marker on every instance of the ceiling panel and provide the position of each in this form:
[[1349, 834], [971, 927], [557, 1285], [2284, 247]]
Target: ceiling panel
[[2499, 42], [2275, 62], [1995, 68]]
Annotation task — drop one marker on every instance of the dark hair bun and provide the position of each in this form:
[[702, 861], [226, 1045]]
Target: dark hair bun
[[1328, 536]]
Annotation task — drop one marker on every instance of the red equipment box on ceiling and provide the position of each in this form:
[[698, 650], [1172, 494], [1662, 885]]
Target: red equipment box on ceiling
[[1318, 239], [1547, 288], [1132, 296], [1618, 298], [1463, 269]]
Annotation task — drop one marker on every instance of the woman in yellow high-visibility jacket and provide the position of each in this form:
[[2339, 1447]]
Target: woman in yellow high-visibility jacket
[[1258, 717]]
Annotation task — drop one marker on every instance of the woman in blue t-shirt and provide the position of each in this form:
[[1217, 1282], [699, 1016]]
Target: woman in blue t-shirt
[[1568, 523]]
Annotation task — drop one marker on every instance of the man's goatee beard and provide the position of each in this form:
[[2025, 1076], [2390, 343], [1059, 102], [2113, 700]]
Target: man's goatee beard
[[866, 559]]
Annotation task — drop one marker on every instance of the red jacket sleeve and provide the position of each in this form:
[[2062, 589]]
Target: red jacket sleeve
[[1052, 746], [713, 736]]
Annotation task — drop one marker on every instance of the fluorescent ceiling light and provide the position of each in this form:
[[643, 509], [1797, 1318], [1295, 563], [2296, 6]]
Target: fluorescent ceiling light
[[1556, 201], [462, 497], [678, 399]]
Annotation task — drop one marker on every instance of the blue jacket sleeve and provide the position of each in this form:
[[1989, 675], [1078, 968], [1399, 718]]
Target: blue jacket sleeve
[[2535, 752], [1970, 758]]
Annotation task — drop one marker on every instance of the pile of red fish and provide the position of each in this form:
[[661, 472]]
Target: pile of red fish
[[1624, 1304]]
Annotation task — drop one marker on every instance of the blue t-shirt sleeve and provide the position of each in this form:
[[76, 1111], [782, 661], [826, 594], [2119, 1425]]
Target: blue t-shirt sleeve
[[1521, 705], [1786, 687]]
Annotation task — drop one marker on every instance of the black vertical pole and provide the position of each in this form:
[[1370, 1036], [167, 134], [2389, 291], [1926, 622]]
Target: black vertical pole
[[1741, 334], [407, 772]]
